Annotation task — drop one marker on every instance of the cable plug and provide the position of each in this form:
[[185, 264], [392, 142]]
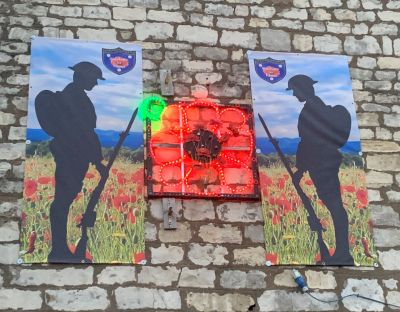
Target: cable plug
[[298, 278]]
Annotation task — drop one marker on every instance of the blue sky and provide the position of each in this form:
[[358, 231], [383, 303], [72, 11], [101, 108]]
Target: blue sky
[[281, 109], [114, 98]]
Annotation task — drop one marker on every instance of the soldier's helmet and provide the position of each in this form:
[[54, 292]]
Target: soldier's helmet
[[300, 82], [89, 69]]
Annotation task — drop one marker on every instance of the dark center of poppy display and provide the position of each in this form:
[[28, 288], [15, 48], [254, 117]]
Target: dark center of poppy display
[[202, 145]]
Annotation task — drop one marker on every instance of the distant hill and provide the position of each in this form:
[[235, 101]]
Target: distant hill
[[108, 138], [289, 146]]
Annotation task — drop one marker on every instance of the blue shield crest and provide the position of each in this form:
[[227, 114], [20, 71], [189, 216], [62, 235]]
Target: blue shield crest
[[270, 70], [119, 61]]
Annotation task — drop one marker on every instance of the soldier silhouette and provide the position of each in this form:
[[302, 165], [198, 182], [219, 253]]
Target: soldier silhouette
[[323, 130], [69, 116]]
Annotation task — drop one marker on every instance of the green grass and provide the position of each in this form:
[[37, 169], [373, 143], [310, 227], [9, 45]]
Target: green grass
[[118, 235], [288, 237]]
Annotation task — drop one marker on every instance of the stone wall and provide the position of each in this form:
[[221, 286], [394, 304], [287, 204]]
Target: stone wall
[[215, 259]]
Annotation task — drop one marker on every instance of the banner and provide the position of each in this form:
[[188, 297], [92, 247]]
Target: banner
[[312, 181], [79, 205]]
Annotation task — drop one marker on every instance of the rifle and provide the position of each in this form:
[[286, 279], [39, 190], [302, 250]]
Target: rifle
[[313, 220], [89, 217]]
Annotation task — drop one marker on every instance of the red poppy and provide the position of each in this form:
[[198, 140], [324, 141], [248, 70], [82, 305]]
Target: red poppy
[[47, 236], [352, 240], [265, 180], [89, 175], [318, 255], [45, 180], [78, 219], [362, 196], [138, 176], [349, 188], [88, 256], [114, 171], [23, 218], [281, 183], [138, 257], [120, 201], [276, 219], [365, 244], [287, 207], [309, 182], [31, 242], [272, 200], [78, 196], [131, 216], [121, 178], [324, 223], [272, 257], [30, 187]]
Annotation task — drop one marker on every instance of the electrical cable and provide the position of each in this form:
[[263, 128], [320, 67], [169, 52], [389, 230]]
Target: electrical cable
[[298, 278], [352, 295]]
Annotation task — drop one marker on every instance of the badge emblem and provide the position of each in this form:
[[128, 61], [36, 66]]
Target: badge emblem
[[270, 70], [119, 61]]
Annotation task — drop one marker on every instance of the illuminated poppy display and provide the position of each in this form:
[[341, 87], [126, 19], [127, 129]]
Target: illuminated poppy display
[[202, 149]]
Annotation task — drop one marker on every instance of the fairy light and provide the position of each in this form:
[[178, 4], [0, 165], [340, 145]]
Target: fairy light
[[151, 108], [180, 127]]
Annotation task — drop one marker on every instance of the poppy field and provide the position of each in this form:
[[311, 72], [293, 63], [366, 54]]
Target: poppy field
[[118, 234], [287, 234]]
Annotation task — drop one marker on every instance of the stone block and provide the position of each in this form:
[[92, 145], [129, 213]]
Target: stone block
[[393, 196], [97, 34], [281, 300], [384, 162], [158, 276], [165, 16], [252, 256], [16, 299], [380, 146], [240, 39], [30, 9], [148, 30], [136, 298], [116, 275], [386, 237], [201, 278], [303, 42], [285, 279], [275, 40], [207, 254], [198, 210], [365, 287], [208, 302], [328, 43], [390, 259], [262, 12], [320, 280], [254, 233], [365, 45], [378, 179], [96, 12], [230, 23], [9, 231], [166, 254], [144, 3], [226, 234], [9, 253], [92, 298], [389, 62], [218, 9], [239, 212], [196, 34], [181, 234], [236, 279]]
